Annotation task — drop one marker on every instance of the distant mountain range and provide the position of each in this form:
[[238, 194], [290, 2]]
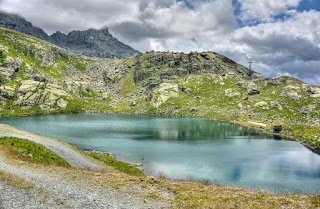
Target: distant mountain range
[[94, 43]]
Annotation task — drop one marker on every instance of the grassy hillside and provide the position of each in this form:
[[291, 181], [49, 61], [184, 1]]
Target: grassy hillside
[[37, 77], [26, 150]]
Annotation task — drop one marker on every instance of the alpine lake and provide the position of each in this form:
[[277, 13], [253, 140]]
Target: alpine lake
[[188, 149]]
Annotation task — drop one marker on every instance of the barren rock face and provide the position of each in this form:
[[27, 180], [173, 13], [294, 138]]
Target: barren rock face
[[164, 93]]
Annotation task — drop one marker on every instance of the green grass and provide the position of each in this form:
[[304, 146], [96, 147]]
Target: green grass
[[32, 152], [153, 195], [128, 85], [114, 163], [315, 201]]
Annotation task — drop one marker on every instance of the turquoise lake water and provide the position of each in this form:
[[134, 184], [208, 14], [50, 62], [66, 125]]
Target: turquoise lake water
[[186, 148]]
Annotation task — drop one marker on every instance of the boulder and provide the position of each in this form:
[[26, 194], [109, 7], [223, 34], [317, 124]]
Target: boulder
[[291, 94], [186, 90], [62, 103], [275, 104], [277, 128], [308, 109], [262, 104], [133, 104], [7, 92], [231, 93], [164, 93], [240, 105], [39, 78], [10, 66], [253, 92], [315, 92]]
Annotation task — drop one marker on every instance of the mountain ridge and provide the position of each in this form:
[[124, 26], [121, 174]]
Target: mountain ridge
[[91, 42]]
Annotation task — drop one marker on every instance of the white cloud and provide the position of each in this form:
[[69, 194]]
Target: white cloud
[[73, 14], [265, 10], [175, 19]]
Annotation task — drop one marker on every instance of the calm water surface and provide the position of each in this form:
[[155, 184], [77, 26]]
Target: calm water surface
[[185, 148]]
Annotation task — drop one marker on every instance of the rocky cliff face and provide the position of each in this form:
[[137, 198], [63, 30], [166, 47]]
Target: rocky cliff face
[[37, 77], [94, 43], [20, 24]]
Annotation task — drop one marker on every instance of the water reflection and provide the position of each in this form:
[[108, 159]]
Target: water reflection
[[185, 148]]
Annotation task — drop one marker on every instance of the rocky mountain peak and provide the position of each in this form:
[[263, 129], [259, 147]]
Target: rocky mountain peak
[[92, 42], [20, 24]]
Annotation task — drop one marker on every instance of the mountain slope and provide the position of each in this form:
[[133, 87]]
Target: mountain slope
[[94, 43], [37, 77]]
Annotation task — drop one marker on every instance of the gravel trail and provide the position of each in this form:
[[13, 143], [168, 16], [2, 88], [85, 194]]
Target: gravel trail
[[74, 158], [54, 190]]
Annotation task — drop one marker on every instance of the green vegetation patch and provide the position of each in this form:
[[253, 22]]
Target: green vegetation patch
[[32, 152], [114, 163]]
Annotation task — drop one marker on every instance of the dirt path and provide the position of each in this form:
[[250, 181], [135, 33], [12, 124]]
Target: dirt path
[[58, 187], [73, 157], [53, 188]]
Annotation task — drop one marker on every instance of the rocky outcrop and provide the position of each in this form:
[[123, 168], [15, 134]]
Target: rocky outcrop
[[153, 68], [9, 67], [47, 96], [291, 94], [94, 43], [315, 92], [164, 93]]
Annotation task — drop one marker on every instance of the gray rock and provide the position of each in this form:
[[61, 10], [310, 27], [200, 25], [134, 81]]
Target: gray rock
[[277, 128], [291, 94], [231, 93], [62, 103], [274, 104], [253, 92], [7, 92], [308, 109], [186, 90], [10, 66], [133, 104], [164, 93], [262, 104]]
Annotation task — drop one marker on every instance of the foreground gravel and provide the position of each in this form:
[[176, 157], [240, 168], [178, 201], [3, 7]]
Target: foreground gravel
[[53, 188], [56, 191], [74, 158]]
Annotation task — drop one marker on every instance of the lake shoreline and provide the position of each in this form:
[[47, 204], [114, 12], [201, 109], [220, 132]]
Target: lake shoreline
[[123, 156], [285, 134]]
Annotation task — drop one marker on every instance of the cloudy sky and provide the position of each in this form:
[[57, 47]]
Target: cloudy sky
[[279, 36]]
